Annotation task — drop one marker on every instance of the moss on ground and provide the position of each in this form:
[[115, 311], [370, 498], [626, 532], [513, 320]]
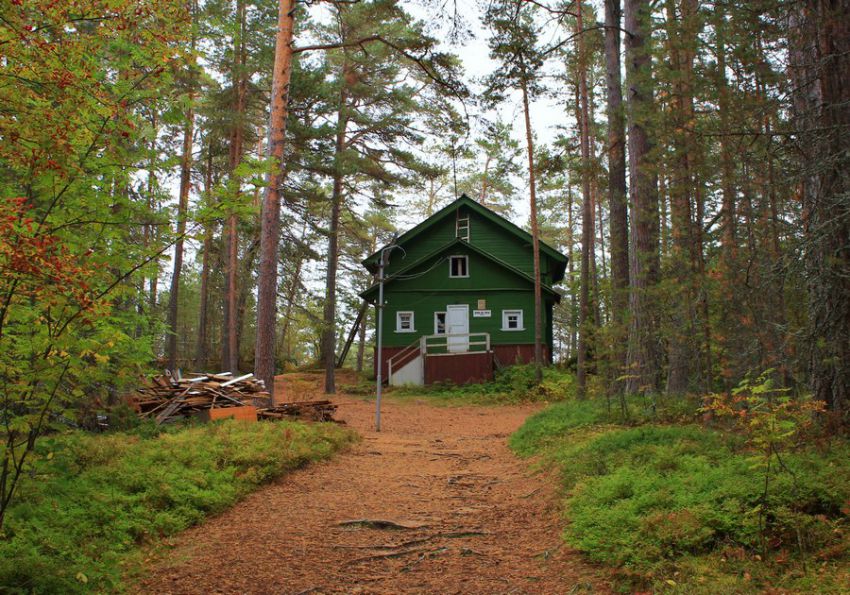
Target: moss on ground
[[91, 501], [675, 506]]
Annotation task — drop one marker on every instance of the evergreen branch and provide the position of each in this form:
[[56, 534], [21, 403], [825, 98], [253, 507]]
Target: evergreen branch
[[420, 61]]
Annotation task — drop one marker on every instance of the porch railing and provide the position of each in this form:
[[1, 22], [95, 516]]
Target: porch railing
[[427, 345]]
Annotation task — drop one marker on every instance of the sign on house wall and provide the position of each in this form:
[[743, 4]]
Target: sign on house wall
[[481, 313]]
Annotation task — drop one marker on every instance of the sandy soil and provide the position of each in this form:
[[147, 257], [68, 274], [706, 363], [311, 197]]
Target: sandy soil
[[474, 519]]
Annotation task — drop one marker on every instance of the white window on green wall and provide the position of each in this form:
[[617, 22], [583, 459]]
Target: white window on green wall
[[439, 323], [512, 320], [404, 322]]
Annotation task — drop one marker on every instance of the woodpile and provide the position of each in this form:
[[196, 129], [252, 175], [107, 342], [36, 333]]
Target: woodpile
[[166, 398], [303, 410], [216, 396]]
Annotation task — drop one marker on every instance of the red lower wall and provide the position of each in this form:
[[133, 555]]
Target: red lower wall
[[461, 368], [508, 355], [479, 363]]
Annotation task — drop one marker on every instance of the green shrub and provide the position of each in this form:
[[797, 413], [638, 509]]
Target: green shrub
[[553, 423], [653, 499], [93, 499], [512, 384]]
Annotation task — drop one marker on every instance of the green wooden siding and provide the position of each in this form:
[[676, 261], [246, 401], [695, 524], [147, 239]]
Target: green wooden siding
[[500, 272], [422, 245], [508, 248], [433, 274], [425, 304], [484, 234]]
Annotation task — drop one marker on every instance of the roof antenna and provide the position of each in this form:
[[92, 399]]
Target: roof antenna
[[454, 165]]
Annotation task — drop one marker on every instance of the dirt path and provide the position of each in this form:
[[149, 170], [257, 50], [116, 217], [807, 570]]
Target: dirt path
[[478, 521]]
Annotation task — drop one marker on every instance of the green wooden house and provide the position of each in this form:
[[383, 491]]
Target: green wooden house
[[459, 296]]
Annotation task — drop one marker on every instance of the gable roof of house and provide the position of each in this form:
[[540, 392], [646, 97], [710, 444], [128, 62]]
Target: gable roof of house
[[447, 247], [560, 260]]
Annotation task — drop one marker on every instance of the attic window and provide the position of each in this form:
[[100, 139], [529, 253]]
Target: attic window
[[458, 266]]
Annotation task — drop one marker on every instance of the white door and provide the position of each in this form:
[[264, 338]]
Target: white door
[[457, 328]]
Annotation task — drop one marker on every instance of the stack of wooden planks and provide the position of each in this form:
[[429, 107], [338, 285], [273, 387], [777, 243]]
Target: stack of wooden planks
[[166, 398], [303, 410]]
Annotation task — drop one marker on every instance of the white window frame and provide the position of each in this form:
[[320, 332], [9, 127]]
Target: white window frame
[[398, 316], [520, 323], [466, 259], [436, 325]]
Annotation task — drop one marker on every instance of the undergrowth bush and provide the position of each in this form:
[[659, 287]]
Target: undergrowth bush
[[661, 501], [512, 384], [91, 500]]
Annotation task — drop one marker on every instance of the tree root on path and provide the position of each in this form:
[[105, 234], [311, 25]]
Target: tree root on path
[[411, 542], [385, 556], [382, 524]]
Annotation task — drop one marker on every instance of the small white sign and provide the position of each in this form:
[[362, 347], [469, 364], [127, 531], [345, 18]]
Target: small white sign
[[481, 313]]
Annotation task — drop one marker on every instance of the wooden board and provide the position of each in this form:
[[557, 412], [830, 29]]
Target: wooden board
[[245, 413]]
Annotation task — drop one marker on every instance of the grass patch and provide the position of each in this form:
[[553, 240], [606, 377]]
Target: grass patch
[[511, 385], [92, 500], [675, 506]]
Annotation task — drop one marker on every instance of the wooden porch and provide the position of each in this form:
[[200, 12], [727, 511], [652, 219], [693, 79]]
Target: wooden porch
[[457, 358]]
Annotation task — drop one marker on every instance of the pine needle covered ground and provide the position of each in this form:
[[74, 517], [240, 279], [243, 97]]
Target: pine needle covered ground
[[92, 501]]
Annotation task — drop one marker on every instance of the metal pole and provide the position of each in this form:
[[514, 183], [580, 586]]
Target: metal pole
[[384, 258], [380, 341]]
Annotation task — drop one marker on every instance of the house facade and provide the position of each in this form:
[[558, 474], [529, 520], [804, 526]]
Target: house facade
[[459, 296]]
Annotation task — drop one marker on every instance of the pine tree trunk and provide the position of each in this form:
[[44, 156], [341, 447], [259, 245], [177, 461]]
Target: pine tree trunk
[[681, 32], [482, 196], [708, 371], [230, 335], [247, 262], [665, 219], [781, 352], [202, 349], [535, 241], [329, 313], [151, 234], [182, 210], [432, 198], [292, 294], [617, 200], [570, 271], [820, 67], [149, 230], [597, 269], [643, 361], [270, 226], [729, 276], [229, 342], [587, 219]]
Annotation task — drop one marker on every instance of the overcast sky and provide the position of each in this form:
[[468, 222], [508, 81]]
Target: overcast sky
[[547, 114]]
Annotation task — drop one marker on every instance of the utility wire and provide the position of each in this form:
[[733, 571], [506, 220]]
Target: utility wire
[[417, 275]]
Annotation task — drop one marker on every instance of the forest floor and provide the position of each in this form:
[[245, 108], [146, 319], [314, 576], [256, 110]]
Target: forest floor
[[470, 517]]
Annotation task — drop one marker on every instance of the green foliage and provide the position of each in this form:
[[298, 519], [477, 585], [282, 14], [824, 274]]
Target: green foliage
[[664, 500], [554, 423], [512, 384], [91, 500], [769, 417], [73, 133]]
